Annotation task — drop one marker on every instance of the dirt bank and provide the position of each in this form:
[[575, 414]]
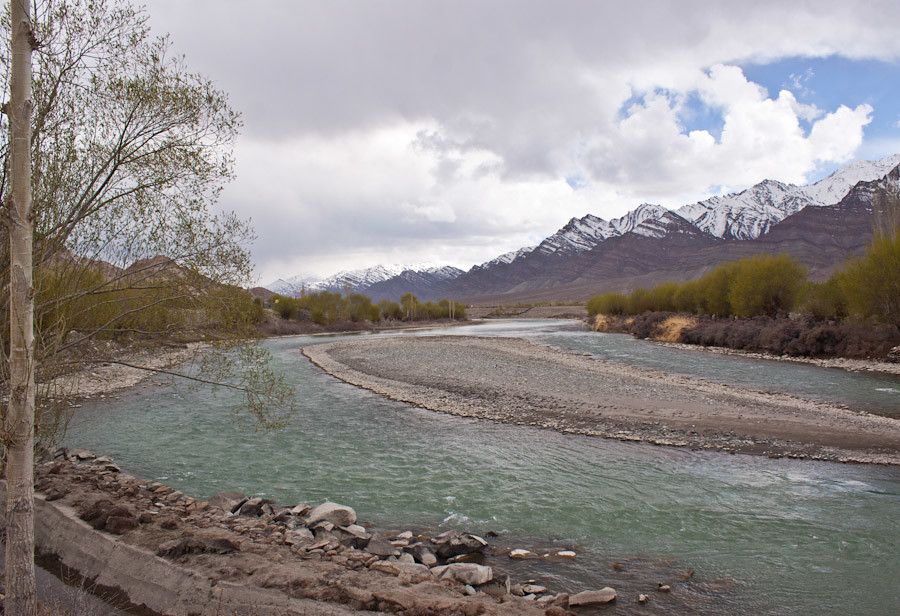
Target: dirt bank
[[516, 381]]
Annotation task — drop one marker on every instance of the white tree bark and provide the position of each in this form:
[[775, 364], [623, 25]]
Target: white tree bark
[[18, 425]]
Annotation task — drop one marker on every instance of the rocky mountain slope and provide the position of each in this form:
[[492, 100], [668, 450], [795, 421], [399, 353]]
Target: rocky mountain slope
[[821, 224]]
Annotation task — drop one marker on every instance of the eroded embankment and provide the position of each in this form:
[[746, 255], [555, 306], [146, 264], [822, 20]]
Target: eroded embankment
[[515, 381]]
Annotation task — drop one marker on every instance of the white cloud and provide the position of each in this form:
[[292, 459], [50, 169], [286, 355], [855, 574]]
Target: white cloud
[[394, 132]]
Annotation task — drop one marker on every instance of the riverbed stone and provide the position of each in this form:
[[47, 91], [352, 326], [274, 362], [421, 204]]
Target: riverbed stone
[[521, 554], [227, 501], [465, 573], [423, 555], [453, 543], [339, 515], [381, 547], [588, 598]]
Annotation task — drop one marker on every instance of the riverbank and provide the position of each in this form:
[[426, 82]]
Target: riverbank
[[285, 327], [856, 347], [526, 311], [146, 544], [514, 381]]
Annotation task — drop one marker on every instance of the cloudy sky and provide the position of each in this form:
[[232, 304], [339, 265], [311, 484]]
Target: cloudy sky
[[450, 132]]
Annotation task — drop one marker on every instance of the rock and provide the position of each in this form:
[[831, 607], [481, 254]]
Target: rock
[[423, 555], [453, 543], [566, 554], [663, 587], [96, 512], [83, 454], [253, 506], [299, 536], [470, 590], [465, 573], [397, 567], [405, 535], [339, 515], [380, 547], [406, 558], [169, 522], [356, 530], [520, 554], [555, 610], [472, 557], [227, 501], [534, 589], [643, 598], [55, 493], [197, 545], [893, 355], [301, 509], [592, 597]]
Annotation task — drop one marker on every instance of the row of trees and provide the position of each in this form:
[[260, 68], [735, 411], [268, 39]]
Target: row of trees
[[327, 308], [774, 285]]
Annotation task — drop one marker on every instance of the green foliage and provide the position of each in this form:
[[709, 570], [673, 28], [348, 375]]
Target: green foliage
[[825, 300], [613, 304], [327, 308], [759, 285], [766, 285], [871, 284]]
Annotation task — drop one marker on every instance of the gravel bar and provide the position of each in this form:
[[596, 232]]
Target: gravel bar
[[516, 381]]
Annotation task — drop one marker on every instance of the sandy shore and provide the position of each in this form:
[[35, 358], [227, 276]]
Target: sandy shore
[[107, 378], [515, 381]]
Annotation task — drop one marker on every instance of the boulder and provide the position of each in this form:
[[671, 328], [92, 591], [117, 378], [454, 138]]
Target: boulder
[[534, 589], [453, 543], [381, 547], [520, 554], [423, 555], [83, 454], [227, 501], [96, 512], [197, 545], [465, 573], [642, 598], [588, 598], [300, 536], [254, 506], [339, 515], [893, 355]]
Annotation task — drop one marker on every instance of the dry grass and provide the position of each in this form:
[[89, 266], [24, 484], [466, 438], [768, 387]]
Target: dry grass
[[601, 323], [671, 329]]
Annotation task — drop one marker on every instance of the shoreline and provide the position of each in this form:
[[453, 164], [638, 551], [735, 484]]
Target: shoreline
[[680, 411], [837, 363], [147, 544]]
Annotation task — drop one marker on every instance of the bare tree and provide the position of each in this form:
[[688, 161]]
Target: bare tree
[[18, 425]]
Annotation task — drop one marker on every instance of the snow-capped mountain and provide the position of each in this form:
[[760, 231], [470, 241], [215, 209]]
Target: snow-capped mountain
[[354, 280], [361, 280], [582, 234], [832, 189], [750, 213], [504, 259]]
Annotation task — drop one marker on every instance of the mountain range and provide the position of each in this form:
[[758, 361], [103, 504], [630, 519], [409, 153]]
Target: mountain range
[[821, 224]]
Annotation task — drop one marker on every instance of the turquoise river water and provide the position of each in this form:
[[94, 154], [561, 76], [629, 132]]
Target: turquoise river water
[[762, 536]]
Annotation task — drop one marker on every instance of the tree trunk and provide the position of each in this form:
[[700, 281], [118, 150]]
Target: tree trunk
[[18, 428]]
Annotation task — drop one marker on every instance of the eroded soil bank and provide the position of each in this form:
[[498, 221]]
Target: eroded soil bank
[[515, 381]]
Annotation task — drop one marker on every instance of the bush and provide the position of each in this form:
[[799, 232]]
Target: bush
[[765, 285], [871, 284]]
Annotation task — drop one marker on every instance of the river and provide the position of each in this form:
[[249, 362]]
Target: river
[[762, 536]]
